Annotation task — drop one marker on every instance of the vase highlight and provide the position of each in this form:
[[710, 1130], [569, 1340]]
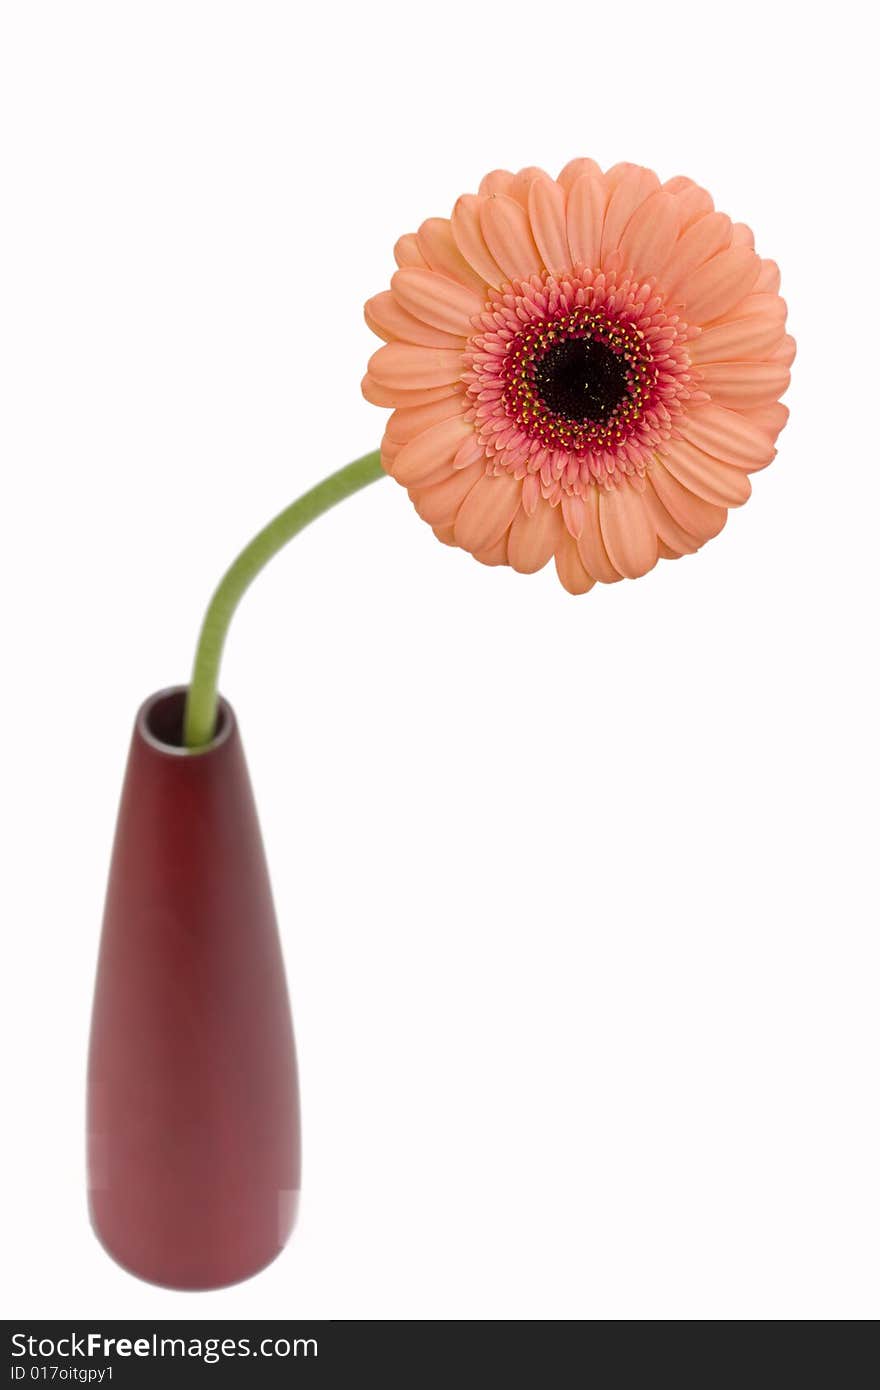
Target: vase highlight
[[193, 1114]]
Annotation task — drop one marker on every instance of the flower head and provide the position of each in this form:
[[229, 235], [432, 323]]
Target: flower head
[[586, 368]]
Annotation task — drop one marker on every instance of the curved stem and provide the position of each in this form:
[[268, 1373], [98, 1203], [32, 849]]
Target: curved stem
[[201, 702]]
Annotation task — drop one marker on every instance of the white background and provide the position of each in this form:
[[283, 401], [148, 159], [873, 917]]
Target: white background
[[578, 896]]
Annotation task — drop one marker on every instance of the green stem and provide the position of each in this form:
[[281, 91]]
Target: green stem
[[201, 701]]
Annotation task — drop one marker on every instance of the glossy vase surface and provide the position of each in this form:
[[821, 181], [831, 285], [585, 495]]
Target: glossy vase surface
[[193, 1114]]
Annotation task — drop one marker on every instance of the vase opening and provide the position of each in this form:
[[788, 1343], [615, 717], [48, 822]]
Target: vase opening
[[161, 723]]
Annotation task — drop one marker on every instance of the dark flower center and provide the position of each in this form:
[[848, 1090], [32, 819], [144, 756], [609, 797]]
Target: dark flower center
[[581, 379]]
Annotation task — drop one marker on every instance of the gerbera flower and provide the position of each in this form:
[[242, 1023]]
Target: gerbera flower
[[586, 367]]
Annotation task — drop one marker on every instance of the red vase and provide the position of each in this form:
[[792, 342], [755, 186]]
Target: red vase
[[193, 1115]]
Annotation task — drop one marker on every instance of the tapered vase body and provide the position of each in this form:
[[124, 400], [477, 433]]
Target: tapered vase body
[[193, 1115]]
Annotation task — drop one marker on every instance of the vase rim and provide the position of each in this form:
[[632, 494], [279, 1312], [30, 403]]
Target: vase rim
[[167, 705]]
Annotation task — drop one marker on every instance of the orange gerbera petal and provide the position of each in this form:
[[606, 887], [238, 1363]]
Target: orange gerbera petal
[[575, 169], [727, 435], [587, 201], [438, 504], [411, 420], [586, 367], [627, 530], [414, 368], [786, 351], [570, 568], [508, 235], [428, 456], [407, 251], [517, 186], [705, 476], [495, 554], [487, 512], [696, 516], [437, 245], [673, 540], [591, 546], [721, 283], [768, 279], [741, 384], [388, 319], [547, 218], [736, 340], [436, 300], [704, 239], [650, 234], [533, 539], [378, 394], [769, 418], [634, 187], [469, 239]]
